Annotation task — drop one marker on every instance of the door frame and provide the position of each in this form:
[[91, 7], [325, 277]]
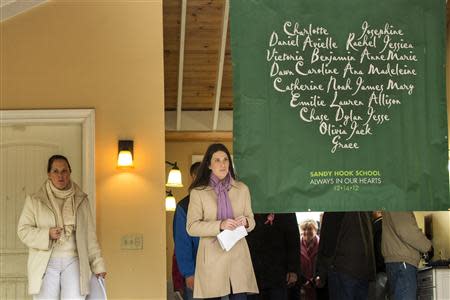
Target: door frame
[[84, 117]]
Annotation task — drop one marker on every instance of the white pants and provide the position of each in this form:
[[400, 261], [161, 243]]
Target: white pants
[[61, 280]]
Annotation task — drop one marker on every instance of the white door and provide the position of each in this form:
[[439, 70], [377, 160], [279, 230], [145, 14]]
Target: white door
[[24, 152]]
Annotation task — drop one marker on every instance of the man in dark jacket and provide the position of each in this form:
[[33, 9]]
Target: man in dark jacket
[[275, 249], [185, 245], [346, 255]]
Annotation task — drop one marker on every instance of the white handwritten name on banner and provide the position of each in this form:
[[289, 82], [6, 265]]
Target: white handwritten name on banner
[[344, 95]]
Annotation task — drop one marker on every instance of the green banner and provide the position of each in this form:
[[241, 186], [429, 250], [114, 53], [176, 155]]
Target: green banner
[[340, 105]]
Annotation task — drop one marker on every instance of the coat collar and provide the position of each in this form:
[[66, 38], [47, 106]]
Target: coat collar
[[379, 219], [41, 195], [234, 184]]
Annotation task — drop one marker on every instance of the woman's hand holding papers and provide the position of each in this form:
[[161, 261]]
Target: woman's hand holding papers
[[242, 221], [229, 224]]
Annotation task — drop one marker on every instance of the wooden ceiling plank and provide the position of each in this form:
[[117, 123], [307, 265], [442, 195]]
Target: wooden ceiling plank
[[216, 108], [181, 62]]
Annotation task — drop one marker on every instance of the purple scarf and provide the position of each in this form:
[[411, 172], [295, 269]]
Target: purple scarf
[[221, 187]]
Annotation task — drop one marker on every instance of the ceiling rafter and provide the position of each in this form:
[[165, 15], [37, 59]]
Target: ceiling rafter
[[181, 63], [226, 10]]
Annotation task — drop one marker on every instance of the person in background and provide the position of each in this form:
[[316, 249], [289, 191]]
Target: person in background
[[179, 285], [309, 247], [274, 246], [322, 291], [319, 223], [219, 202], [185, 245], [401, 244], [378, 289], [56, 225], [345, 259]]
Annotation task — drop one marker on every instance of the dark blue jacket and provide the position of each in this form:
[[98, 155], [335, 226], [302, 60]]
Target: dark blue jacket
[[185, 245]]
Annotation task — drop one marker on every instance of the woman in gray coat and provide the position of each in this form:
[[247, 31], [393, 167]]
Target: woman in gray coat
[[220, 202]]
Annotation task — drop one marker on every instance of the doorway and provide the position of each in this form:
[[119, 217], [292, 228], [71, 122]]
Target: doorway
[[27, 139]]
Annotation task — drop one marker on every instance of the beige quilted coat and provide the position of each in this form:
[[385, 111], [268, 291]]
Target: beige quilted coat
[[33, 230]]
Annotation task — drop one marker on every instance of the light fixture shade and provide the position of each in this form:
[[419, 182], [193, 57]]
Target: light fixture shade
[[171, 203], [125, 156], [174, 178], [125, 159]]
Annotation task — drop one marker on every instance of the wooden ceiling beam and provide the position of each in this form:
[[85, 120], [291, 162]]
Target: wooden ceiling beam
[[223, 41], [181, 62]]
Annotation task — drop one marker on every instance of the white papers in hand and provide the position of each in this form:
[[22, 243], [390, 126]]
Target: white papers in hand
[[98, 289], [101, 281], [228, 238]]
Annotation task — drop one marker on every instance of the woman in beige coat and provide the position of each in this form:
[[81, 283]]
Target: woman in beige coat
[[56, 225], [219, 202]]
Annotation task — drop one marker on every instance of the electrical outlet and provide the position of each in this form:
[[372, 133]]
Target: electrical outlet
[[138, 242], [134, 241]]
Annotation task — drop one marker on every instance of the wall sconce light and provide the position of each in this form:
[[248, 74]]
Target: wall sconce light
[[125, 154], [171, 203], [174, 178]]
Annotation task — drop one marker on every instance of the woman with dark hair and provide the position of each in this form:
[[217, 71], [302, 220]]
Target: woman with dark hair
[[56, 225], [219, 202]]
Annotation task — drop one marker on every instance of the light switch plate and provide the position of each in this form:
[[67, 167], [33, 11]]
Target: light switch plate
[[133, 241]]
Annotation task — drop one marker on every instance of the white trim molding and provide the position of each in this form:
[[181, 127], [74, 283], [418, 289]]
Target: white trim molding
[[11, 8]]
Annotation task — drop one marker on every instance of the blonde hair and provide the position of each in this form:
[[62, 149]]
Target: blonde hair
[[308, 223]]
